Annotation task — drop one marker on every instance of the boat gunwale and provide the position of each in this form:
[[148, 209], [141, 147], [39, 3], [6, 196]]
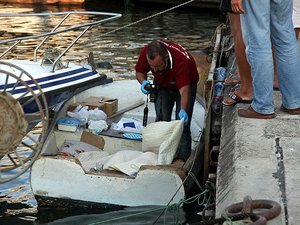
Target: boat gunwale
[[178, 169]]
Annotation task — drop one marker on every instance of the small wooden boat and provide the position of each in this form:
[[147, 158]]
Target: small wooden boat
[[61, 180]]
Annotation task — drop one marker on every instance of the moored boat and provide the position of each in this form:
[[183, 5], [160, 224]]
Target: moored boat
[[173, 175], [60, 180]]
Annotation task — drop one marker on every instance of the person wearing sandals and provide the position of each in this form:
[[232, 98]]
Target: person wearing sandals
[[262, 25], [243, 92], [241, 80]]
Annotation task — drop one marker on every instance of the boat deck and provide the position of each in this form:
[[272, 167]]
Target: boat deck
[[260, 159]]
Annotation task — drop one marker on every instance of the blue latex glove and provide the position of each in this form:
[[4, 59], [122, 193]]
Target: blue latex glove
[[183, 115], [144, 84]]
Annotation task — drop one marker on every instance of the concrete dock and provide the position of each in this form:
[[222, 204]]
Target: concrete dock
[[250, 164]]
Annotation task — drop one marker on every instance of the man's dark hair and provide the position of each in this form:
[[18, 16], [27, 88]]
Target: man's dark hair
[[156, 48]]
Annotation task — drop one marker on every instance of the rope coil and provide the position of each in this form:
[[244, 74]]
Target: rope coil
[[12, 123]]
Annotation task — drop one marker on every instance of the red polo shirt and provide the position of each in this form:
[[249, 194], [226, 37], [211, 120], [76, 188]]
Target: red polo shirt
[[182, 69]]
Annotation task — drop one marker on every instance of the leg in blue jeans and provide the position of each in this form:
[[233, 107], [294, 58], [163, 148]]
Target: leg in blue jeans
[[286, 52], [164, 108], [266, 22]]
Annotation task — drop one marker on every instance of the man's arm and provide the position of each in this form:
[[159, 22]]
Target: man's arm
[[185, 96], [140, 77]]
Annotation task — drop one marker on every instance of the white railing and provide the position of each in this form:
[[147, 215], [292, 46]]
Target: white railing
[[54, 31]]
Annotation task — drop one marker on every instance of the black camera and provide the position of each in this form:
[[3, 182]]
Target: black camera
[[152, 88]]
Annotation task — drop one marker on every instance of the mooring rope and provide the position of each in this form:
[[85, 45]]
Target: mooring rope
[[127, 216], [174, 207], [146, 18]]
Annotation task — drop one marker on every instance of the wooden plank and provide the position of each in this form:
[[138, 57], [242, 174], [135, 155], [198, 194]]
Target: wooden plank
[[133, 106], [110, 119]]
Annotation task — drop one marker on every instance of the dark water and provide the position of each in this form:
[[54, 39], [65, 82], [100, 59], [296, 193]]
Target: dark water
[[191, 28]]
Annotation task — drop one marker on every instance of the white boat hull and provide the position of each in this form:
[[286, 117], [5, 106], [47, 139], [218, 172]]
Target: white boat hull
[[65, 179], [55, 177]]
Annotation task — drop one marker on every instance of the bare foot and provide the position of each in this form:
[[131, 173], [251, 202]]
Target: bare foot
[[232, 79]]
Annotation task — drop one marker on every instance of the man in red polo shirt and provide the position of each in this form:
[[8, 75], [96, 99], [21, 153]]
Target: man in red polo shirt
[[176, 77]]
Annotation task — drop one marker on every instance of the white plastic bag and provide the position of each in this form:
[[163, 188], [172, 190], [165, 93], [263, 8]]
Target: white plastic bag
[[97, 114], [97, 126], [81, 113], [128, 124]]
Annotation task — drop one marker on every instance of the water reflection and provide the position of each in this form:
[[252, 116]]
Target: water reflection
[[191, 29], [121, 48]]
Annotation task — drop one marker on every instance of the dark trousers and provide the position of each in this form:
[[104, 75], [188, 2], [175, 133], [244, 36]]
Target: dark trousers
[[164, 107]]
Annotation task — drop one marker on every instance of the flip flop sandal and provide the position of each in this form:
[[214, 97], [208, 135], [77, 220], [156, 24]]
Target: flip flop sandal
[[235, 88], [236, 99]]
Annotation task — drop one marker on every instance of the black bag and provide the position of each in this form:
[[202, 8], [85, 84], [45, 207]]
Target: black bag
[[225, 6]]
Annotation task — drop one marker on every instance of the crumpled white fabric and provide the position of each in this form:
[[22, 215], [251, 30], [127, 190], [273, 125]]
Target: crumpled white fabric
[[89, 160], [160, 142], [129, 161], [125, 161], [163, 138]]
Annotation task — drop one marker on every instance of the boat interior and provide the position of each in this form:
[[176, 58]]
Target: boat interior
[[130, 106]]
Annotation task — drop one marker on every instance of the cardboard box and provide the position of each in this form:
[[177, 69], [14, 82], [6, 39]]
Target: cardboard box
[[108, 105], [93, 102], [92, 139], [90, 105], [72, 106]]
